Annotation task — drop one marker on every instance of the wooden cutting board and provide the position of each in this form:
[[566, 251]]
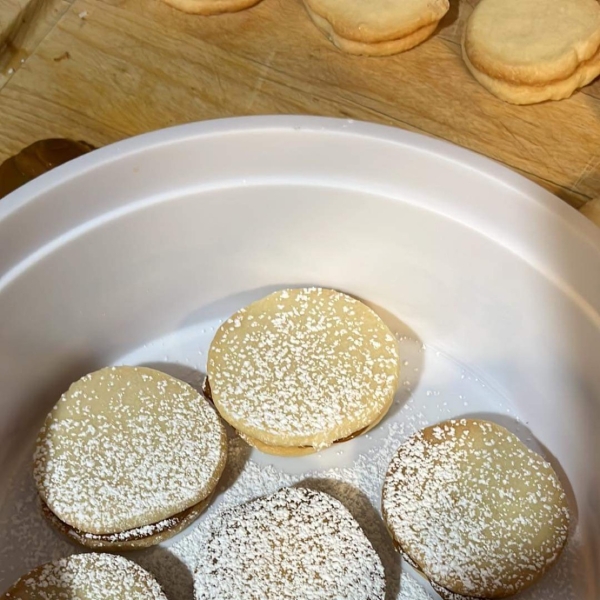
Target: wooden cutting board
[[102, 70]]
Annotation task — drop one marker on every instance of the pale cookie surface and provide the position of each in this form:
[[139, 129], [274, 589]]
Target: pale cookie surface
[[211, 7], [380, 20], [532, 42], [479, 513], [303, 367], [296, 543], [127, 447], [374, 48], [533, 94], [87, 577]]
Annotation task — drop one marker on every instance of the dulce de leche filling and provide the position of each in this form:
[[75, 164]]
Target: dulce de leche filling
[[137, 533]]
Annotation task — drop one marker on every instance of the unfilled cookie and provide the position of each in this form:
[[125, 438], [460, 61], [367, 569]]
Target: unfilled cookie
[[527, 51], [87, 577], [296, 543], [301, 369], [128, 457], [479, 513]]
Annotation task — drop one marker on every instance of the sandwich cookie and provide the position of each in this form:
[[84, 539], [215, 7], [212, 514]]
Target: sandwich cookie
[[529, 51], [296, 543], [378, 28], [87, 577], [128, 457], [479, 513], [302, 369]]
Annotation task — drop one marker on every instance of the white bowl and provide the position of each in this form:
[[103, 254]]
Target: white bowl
[[134, 252]]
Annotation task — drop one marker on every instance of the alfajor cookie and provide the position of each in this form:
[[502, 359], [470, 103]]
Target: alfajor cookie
[[528, 51], [302, 369], [378, 28], [128, 457], [87, 577], [295, 543], [211, 7], [479, 513]]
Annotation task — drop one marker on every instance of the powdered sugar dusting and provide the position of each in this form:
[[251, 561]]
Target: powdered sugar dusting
[[303, 367], [433, 386], [89, 576], [358, 487], [127, 447], [296, 543], [479, 512]]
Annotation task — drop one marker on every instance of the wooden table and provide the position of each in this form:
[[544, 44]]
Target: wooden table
[[102, 70]]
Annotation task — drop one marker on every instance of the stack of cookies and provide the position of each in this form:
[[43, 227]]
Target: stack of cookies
[[376, 28], [528, 51], [474, 509], [303, 369]]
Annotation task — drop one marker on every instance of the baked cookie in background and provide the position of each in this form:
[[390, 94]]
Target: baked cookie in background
[[211, 7], [128, 457], [87, 577], [529, 51], [475, 510], [302, 369], [377, 28], [295, 543]]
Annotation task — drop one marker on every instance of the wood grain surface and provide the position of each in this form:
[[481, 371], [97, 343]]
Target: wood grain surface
[[102, 70]]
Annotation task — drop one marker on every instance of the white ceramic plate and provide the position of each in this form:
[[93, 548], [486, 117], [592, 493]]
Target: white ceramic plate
[[136, 252]]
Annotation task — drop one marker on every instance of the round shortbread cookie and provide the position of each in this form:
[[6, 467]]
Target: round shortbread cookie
[[532, 42], [533, 94], [479, 513], [378, 21], [127, 447], [208, 8], [303, 367], [87, 577], [374, 48], [295, 543]]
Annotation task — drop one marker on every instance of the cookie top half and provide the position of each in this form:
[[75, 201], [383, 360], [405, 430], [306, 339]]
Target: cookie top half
[[295, 543], [303, 367], [481, 514], [87, 577], [126, 447]]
